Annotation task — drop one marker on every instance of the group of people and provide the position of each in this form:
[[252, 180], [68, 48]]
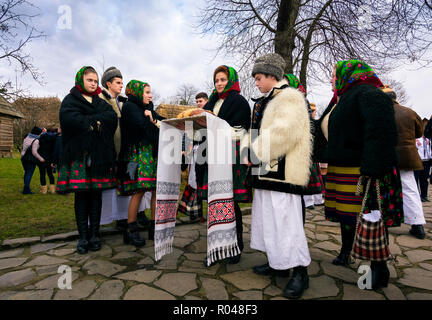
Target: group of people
[[366, 140], [41, 148]]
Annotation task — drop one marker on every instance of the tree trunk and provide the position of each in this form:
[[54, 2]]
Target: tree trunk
[[285, 35]]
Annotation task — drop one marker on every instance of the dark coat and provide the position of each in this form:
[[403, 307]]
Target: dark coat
[[235, 110], [409, 126], [81, 136], [47, 142], [136, 128], [362, 132]]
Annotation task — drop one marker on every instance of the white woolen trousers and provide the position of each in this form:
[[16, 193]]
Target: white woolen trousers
[[314, 199], [412, 206], [277, 229]]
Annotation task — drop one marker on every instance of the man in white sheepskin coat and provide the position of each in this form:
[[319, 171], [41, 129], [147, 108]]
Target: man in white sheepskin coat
[[280, 150]]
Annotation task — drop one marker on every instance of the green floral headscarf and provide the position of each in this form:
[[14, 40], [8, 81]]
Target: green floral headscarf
[[294, 82], [353, 72], [136, 88], [79, 83], [232, 85]]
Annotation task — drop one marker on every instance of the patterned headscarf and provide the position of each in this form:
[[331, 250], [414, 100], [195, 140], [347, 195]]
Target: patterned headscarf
[[136, 88], [232, 85], [353, 72], [294, 82], [79, 83]]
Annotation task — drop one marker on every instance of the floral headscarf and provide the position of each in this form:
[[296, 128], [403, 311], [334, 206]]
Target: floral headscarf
[[79, 83], [353, 72], [136, 88], [232, 85], [294, 82]]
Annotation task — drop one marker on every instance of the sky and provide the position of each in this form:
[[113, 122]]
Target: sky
[[152, 41]]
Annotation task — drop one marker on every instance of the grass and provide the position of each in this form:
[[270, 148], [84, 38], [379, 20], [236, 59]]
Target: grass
[[30, 215], [37, 214]]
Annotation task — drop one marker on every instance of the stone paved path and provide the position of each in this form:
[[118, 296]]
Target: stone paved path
[[28, 268]]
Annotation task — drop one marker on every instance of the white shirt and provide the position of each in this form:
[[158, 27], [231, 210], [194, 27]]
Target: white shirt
[[424, 148]]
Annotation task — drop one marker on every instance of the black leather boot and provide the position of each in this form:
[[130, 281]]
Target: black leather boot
[[151, 230], [297, 284], [81, 218], [95, 216], [132, 236], [121, 225], [266, 270], [343, 259], [380, 274], [142, 220], [417, 231]]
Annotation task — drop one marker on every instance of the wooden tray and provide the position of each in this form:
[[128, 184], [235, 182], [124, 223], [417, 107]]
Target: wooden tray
[[199, 122]]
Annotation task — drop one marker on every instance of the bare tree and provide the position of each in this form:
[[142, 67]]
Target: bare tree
[[186, 94], [16, 32], [312, 35]]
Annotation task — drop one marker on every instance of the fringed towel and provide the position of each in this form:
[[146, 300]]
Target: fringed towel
[[221, 222]]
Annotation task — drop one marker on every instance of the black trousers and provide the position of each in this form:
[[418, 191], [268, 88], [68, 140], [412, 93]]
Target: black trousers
[[88, 206], [45, 169], [239, 225], [421, 177]]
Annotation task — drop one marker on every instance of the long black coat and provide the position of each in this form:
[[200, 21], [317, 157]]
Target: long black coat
[[362, 132]]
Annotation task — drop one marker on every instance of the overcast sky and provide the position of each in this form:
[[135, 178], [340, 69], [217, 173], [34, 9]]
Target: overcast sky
[[153, 41]]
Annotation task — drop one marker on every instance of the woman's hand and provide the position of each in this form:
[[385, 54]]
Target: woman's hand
[[148, 113]]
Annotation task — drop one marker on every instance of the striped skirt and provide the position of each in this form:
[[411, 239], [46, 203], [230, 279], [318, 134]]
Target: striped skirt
[[341, 203]]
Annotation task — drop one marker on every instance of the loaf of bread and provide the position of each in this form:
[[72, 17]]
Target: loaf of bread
[[191, 112]]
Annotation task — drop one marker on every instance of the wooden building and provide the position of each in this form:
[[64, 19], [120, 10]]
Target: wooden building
[[7, 116]]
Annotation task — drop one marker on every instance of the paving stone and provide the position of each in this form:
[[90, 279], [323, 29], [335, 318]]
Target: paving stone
[[61, 236], [310, 234], [418, 278], [32, 295], [272, 291], [16, 278], [192, 298], [46, 261], [402, 230], [11, 253], [401, 262], [61, 252], [109, 290], [145, 261], [279, 298], [144, 292], [102, 267], [11, 263], [249, 295], [170, 261], [309, 226], [412, 242], [13, 243], [393, 293], [7, 294], [247, 262], [198, 267], [320, 255], [321, 237], [419, 296], [426, 266], [418, 255], [47, 270], [340, 272], [178, 284], [125, 248], [246, 280], [195, 256], [313, 268], [126, 255], [355, 293], [327, 245], [105, 251], [144, 276], [188, 234], [182, 242], [79, 291], [198, 246], [214, 289], [52, 282], [325, 223], [321, 287], [328, 229], [42, 247]]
